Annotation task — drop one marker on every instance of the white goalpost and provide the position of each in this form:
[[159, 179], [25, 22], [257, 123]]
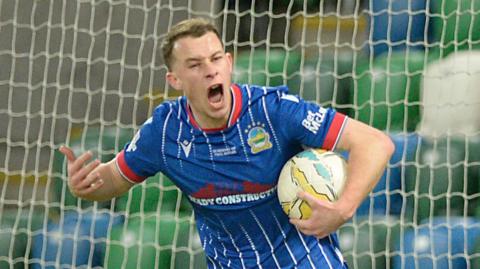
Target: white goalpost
[[88, 73]]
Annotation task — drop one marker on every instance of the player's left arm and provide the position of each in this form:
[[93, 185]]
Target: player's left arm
[[369, 152]]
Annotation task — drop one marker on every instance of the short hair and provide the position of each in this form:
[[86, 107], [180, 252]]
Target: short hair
[[196, 27]]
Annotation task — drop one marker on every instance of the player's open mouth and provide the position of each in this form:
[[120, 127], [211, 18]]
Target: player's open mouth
[[215, 93]]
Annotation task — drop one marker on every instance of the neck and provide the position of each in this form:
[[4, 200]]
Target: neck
[[207, 123]]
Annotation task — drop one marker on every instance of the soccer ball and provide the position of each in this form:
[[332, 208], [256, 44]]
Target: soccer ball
[[318, 172]]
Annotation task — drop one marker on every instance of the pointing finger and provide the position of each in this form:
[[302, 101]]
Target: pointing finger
[[68, 153]]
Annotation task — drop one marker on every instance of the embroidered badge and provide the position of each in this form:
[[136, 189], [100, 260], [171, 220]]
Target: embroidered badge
[[258, 138]]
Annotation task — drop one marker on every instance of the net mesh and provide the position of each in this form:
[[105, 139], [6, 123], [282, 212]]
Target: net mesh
[[88, 73]]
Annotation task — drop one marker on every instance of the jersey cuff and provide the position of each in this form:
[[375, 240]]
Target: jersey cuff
[[125, 170], [335, 131]]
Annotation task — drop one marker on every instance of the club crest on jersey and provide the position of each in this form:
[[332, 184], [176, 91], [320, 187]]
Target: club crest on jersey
[[258, 138]]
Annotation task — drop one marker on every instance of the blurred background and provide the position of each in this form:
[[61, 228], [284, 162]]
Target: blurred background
[[88, 73]]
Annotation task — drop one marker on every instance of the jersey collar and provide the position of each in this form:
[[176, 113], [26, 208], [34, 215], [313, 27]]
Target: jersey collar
[[234, 112]]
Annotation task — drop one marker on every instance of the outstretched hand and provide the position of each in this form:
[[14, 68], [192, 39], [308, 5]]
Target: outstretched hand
[[325, 219], [82, 180]]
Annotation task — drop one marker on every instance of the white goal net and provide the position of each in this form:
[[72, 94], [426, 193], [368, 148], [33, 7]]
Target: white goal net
[[87, 74]]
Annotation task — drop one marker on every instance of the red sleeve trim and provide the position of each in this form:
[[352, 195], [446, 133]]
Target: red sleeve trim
[[125, 170], [334, 131]]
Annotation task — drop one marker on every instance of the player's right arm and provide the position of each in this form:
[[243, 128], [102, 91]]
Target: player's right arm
[[94, 181]]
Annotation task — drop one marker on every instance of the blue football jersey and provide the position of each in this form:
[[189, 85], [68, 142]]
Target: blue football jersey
[[230, 174]]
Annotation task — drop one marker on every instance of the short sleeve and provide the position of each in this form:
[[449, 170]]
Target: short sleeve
[[309, 123], [139, 159]]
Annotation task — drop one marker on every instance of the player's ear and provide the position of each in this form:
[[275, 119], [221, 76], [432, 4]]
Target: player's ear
[[230, 61], [173, 80]]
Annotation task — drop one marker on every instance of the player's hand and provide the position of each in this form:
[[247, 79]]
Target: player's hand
[[82, 179], [325, 219]]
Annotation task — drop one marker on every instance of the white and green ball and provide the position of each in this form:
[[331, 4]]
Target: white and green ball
[[318, 172]]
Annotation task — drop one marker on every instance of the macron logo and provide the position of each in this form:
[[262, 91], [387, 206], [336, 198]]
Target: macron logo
[[186, 146]]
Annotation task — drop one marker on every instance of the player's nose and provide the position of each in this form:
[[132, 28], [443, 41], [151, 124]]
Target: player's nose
[[211, 70]]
